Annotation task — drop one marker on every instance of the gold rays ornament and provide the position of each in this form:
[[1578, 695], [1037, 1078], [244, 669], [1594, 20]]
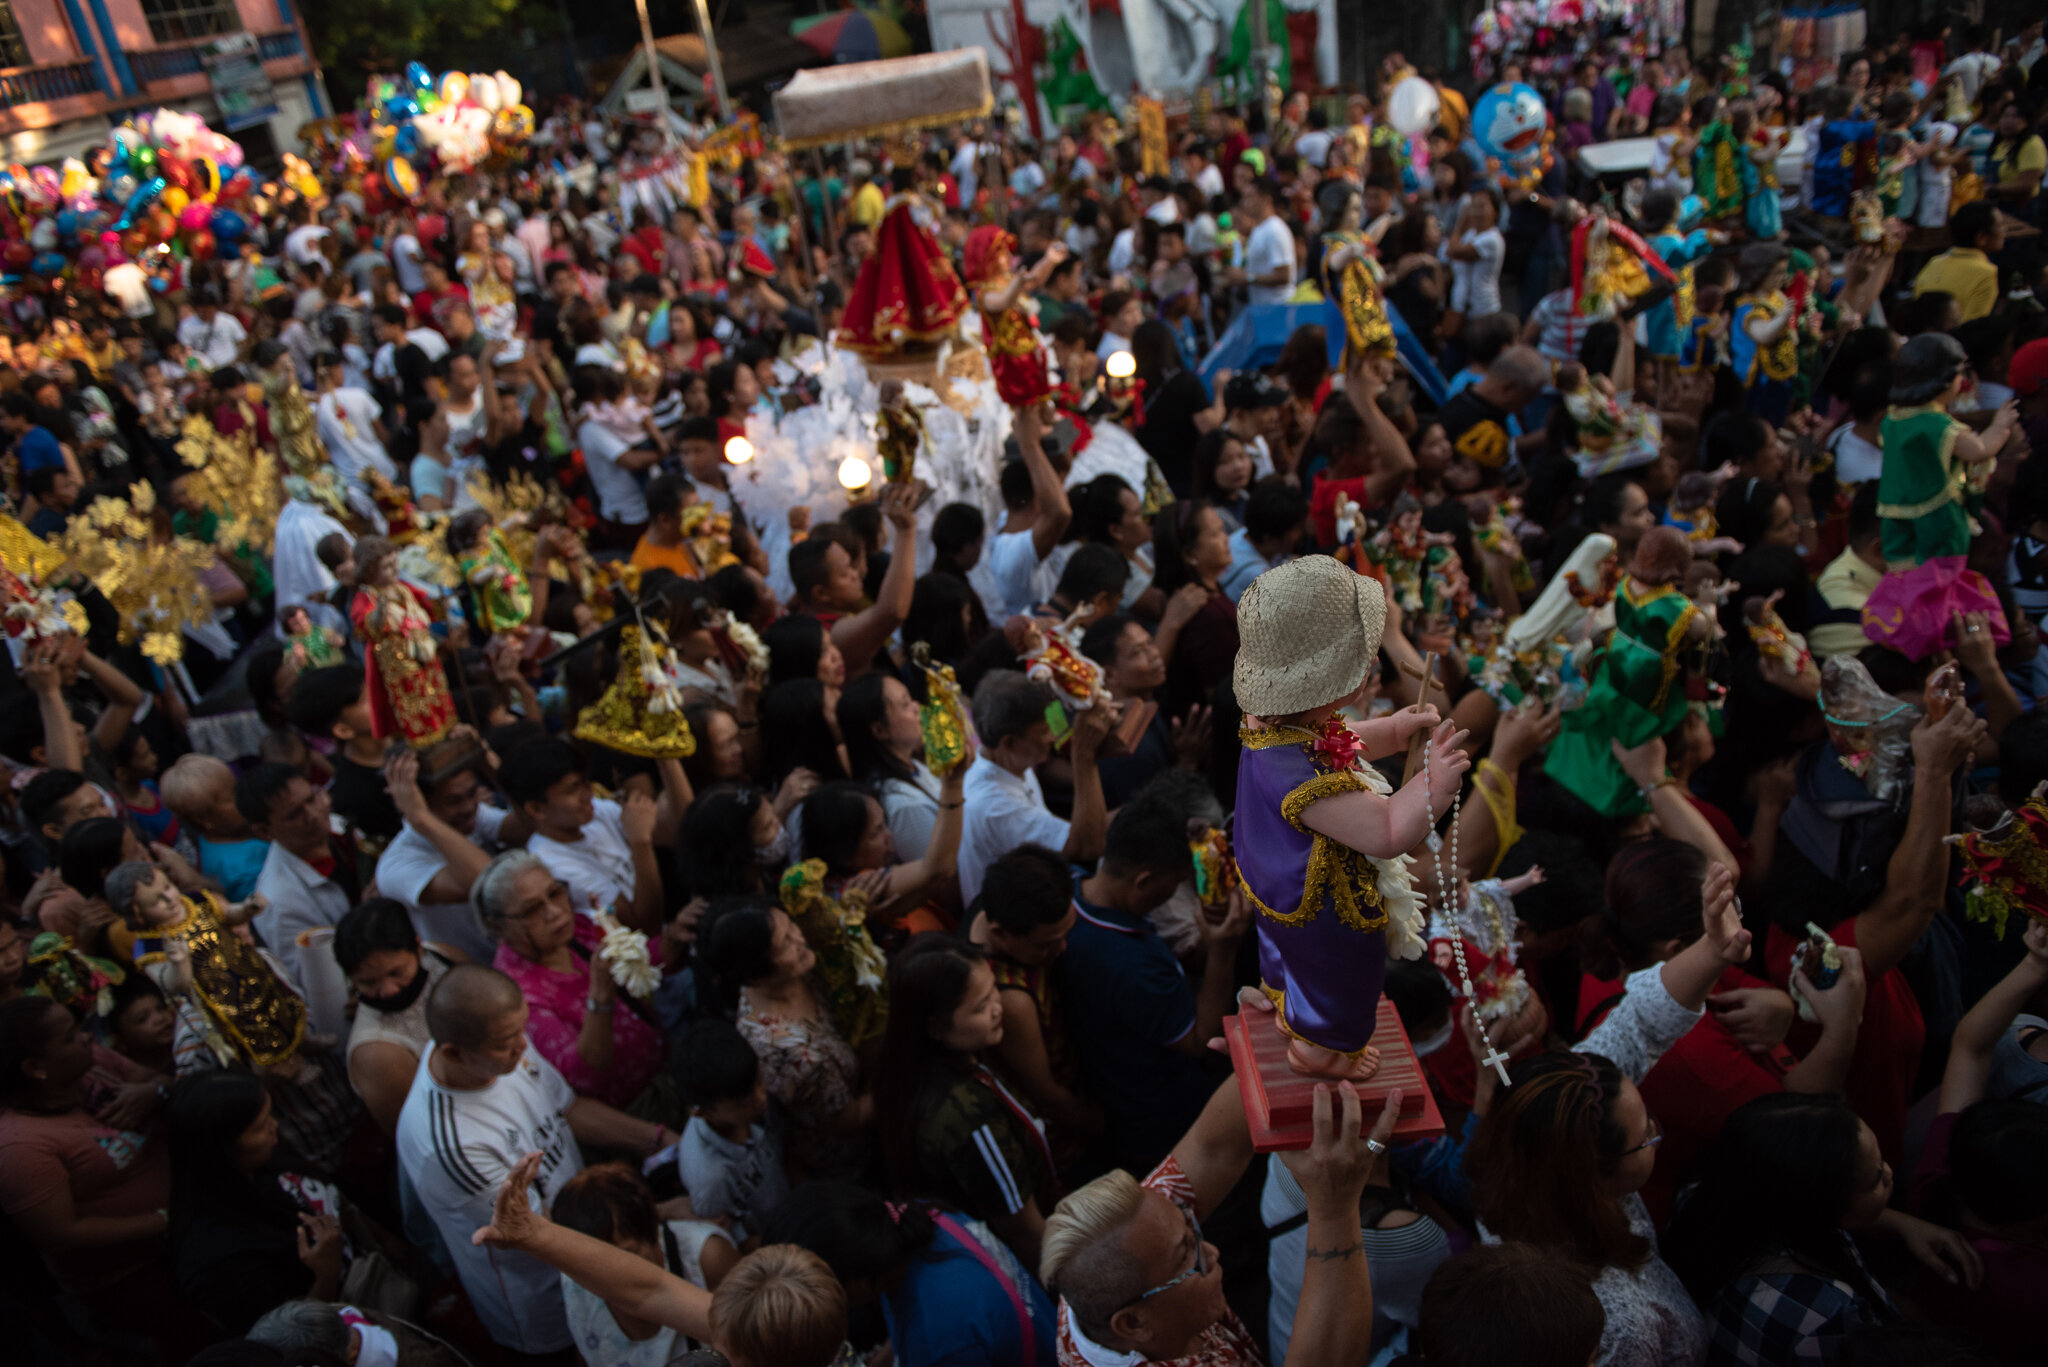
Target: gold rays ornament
[[642, 712], [153, 581], [236, 480]]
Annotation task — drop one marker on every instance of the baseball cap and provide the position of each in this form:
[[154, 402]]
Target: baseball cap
[[2028, 372], [1253, 390]]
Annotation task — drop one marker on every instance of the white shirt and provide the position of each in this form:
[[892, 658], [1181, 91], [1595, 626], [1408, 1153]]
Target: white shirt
[[405, 263], [618, 493], [346, 419], [300, 899], [1475, 285], [1002, 811], [1269, 248], [295, 566], [1110, 345], [219, 341], [599, 867], [1003, 577], [1123, 249], [965, 160], [1970, 69], [911, 807], [457, 1148], [465, 427], [410, 862], [1314, 146], [302, 244], [1166, 210], [1210, 182], [1856, 461]]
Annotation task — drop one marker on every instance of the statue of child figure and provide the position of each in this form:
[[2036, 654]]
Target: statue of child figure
[[1322, 839]]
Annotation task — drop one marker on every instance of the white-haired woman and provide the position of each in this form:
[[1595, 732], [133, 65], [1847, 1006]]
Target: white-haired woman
[[601, 1037]]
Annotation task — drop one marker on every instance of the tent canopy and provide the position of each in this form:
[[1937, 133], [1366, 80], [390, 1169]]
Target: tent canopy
[[1255, 337], [882, 99]]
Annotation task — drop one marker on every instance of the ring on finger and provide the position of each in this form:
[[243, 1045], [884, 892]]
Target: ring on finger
[[1375, 1147]]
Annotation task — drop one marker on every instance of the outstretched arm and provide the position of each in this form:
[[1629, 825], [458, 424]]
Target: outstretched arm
[[625, 1280], [1385, 826]]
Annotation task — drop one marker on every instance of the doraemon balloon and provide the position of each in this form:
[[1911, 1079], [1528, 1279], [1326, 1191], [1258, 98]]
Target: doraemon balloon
[[1509, 122]]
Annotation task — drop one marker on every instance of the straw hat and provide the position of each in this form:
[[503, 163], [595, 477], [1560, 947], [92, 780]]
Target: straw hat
[[1307, 633]]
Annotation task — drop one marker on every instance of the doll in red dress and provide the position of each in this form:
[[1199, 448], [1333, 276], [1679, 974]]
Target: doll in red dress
[[407, 688], [1009, 315], [906, 292]]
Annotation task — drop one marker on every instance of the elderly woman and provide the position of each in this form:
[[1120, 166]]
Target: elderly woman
[[391, 972], [759, 966], [602, 1041]]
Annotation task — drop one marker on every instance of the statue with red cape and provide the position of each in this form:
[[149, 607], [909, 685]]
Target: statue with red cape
[[906, 293]]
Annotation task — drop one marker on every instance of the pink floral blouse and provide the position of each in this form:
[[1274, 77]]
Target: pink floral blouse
[[555, 1001], [813, 1073]]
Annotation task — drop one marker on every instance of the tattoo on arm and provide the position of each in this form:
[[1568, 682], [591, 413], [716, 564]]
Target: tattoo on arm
[[1329, 1255]]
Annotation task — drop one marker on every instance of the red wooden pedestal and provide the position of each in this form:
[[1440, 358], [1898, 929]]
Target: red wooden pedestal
[[1279, 1102]]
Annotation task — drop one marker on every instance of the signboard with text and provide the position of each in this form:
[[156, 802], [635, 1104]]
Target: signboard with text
[[234, 66]]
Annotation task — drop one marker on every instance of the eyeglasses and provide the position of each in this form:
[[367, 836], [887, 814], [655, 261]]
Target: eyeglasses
[[1656, 1137], [1200, 1268], [558, 891]]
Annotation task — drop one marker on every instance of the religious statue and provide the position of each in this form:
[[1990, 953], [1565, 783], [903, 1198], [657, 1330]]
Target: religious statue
[[906, 293], [1322, 839], [408, 690], [189, 948], [1636, 693], [1351, 277], [1009, 315], [901, 432]]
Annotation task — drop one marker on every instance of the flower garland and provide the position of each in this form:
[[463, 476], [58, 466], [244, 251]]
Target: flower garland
[[625, 956]]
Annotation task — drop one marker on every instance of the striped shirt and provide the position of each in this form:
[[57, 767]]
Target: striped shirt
[[457, 1147], [1564, 327]]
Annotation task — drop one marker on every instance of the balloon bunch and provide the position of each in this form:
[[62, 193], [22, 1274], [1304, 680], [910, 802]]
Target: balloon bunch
[[460, 119], [163, 180]]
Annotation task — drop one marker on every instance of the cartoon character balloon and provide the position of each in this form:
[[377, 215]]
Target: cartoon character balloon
[[1512, 127]]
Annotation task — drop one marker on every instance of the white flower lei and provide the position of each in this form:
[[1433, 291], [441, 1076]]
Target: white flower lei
[[624, 952]]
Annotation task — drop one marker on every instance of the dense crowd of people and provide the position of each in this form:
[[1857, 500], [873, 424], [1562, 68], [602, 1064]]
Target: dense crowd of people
[[525, 921]]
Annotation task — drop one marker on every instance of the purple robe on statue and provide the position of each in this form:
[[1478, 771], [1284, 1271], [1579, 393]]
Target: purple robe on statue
[[1322, 923]]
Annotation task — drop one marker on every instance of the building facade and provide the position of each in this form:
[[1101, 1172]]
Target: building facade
[[71, 70]]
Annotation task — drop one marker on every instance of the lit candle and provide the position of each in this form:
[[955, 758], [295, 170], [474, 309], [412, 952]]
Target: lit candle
[[739, 450], [855, 474], [1121, 365]]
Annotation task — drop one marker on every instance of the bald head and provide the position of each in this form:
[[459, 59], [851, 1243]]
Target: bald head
[[1520, 370], [468, 1005]]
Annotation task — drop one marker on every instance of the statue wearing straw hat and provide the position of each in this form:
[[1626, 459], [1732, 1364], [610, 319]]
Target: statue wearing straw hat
[[1321, 838]]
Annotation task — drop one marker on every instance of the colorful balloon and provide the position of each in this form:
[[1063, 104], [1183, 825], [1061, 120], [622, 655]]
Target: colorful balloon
[[228, 226], [197, 215], [1508, 123], [201, 245], [175, 199], [454, 87], [418, 77]]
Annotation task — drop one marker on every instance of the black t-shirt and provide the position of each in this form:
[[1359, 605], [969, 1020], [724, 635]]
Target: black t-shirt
[[360, 798], [1169, 434]]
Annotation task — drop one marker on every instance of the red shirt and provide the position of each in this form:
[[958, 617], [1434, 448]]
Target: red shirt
[[1888, 1045], [426, 302], [645, 246], [1694, 1088], [1322, 505]]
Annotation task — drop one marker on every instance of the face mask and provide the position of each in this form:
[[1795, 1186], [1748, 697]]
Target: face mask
[[399, 1000], [776, 852]]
